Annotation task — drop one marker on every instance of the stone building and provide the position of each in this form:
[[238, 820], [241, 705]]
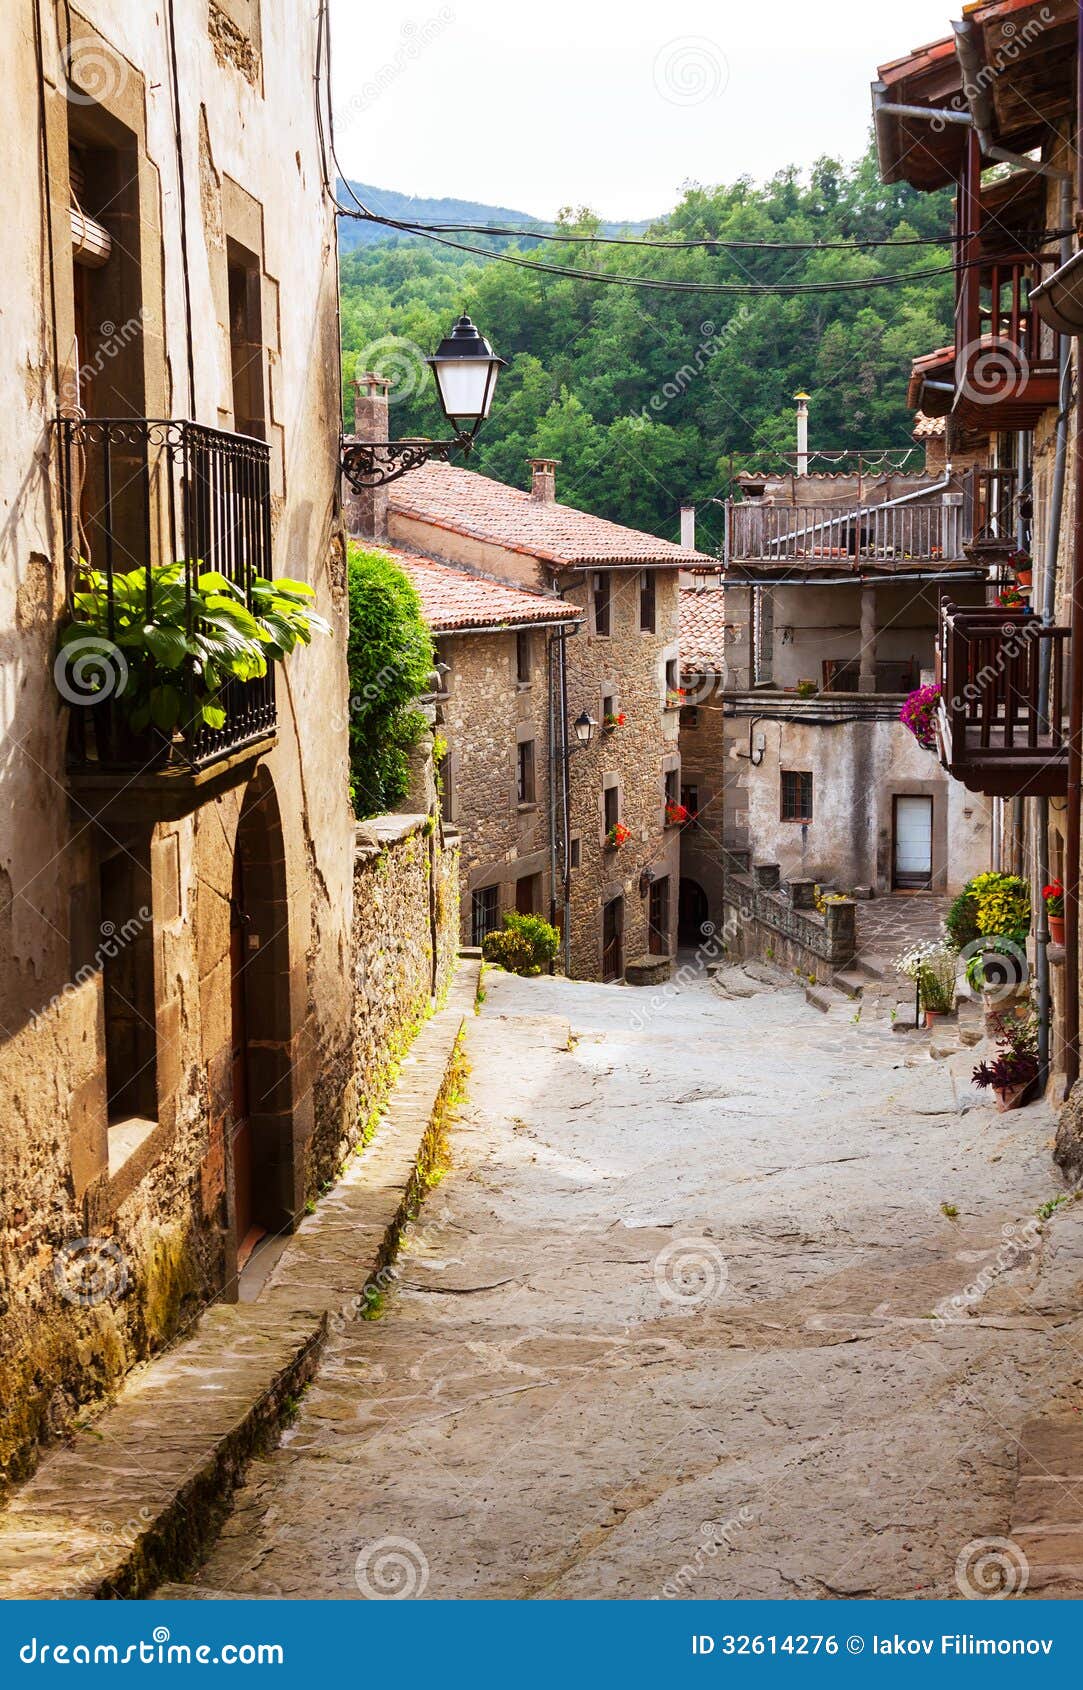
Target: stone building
[[176, 975], [705, 769], [618, 857], [833, 579], [1007, 388], [502, 775]]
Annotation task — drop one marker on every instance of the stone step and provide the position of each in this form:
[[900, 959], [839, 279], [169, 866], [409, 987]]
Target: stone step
[[826, 998], [874, 967], [850, 981], [135, 1497]]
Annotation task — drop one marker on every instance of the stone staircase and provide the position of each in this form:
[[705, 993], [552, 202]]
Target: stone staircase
[[871, 992]]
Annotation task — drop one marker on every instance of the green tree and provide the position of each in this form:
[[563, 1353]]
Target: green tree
[[390, 658]]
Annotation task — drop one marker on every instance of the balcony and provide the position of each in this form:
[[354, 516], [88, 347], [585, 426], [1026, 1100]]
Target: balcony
[[137, 493], [858, 539], [1002, 726], [1006, 368]]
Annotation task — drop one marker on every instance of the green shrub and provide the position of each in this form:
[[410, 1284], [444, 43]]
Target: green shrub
[[524, 945], [961, 921], [390, 658]]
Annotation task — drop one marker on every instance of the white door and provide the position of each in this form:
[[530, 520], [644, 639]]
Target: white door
[[913, 843]]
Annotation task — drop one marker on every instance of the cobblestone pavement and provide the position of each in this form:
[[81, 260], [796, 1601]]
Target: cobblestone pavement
[[719, 1297], [888, 926]]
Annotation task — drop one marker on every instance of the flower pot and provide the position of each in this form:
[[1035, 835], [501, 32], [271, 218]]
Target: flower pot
[[1010, 1097], [1056, 929], [1023, 577], [932, 1016]]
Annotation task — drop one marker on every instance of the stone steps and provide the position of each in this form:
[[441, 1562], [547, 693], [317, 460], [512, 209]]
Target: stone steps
[[138, 1494]]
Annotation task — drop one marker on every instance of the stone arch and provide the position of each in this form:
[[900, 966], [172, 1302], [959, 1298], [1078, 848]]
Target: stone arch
[[692, 911]]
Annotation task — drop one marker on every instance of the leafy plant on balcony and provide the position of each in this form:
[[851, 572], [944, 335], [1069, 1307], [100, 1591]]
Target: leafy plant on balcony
[[676, 814], [183, 637], [918, 714], [617, 836]]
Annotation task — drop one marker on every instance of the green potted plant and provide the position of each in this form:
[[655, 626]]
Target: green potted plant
[[933, 968], [617, 837], [180, 640], [612, 720]]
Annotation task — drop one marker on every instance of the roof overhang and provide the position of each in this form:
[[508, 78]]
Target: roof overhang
[[913, 143]]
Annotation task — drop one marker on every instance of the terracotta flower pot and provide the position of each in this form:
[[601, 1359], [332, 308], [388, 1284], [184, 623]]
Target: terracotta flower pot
[[1056, 929], [1009, 1097], [932, 1016], [1023, 577]]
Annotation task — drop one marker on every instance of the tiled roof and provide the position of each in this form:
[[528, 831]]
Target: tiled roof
[[455, 598], [703, 628], [467, 503], [929, 428]]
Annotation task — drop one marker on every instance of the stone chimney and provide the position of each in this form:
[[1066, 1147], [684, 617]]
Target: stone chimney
[[802, 432], [688, 527], [366, 512], [544, 484]]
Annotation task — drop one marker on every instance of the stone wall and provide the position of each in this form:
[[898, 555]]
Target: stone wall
[[778, 922], [705, 769], [487, 711], [406, 922]]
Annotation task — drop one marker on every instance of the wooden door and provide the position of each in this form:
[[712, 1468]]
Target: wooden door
[[613, 940], [243, 1207], [658, 917]]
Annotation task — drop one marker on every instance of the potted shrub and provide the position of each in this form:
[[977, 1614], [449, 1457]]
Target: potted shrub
[[918, 714], [1000, 915], [617, 836], [1014, 1069], [612, 720], [1054, 909], [933, 969], [676, 814]]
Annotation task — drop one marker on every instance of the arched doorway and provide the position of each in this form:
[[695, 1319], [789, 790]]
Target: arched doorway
[[692, 911], [265, 1188]]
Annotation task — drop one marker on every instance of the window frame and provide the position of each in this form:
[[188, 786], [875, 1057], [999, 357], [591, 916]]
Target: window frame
[[803, 811], [526, 791], [524, 658], [484, 900], [602, 603], [648, 602]]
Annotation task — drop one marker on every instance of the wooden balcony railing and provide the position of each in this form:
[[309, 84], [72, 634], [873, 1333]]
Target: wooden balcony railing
[[1006, 358], [137, 492], [1003, 718], [872, 536]]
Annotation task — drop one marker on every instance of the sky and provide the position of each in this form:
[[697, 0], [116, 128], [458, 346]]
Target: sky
[[611, 104]]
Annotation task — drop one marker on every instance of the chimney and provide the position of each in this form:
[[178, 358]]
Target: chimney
[[366, 512], [688, 527], [544, 484], [802, 432]]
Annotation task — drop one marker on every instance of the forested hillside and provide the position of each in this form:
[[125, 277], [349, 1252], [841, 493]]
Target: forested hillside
[[643, 396]]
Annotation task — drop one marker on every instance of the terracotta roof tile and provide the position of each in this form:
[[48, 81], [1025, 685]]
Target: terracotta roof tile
[[467, 503], [703, 628], [929, 428], [456, 598]]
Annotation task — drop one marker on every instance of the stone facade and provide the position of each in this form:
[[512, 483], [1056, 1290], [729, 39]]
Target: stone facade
[[486, 714], [159, 1111], [777, 921]]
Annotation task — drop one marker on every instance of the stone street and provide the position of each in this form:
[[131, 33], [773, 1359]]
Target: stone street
[[686, 1318]]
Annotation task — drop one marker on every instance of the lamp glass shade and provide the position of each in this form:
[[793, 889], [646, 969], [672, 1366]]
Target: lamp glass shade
[[465, 368], [584, 726]]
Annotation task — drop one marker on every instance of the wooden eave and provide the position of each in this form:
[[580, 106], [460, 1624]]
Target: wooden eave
[[1031, 65], [910, 149]]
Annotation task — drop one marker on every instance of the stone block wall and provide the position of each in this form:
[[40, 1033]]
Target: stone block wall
[[406, 924], [779, 923]]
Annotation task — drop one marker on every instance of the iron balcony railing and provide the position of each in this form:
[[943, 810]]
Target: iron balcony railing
[[137, 492], [1003, 713]]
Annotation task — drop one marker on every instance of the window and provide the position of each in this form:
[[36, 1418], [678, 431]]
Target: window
[[602, 605], [527, 892], [673, 788], [127, 964], [574, 853], [611, 807], [796, 795], [522, 657], [246, 341], [484, 912], [525, 778], [647, 612], [673, 679], [609, 704], [689, 716], [690, 800]]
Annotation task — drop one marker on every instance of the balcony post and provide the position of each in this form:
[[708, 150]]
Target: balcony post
[[866, 681]]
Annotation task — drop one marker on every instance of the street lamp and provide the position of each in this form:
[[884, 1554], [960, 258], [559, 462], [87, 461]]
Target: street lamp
[[583, 727], [465, 369]]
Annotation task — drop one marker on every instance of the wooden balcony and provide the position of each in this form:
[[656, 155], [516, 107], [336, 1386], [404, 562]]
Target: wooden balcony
[[787, 539], [1006, 358], [137, 492], [1002, 726]]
